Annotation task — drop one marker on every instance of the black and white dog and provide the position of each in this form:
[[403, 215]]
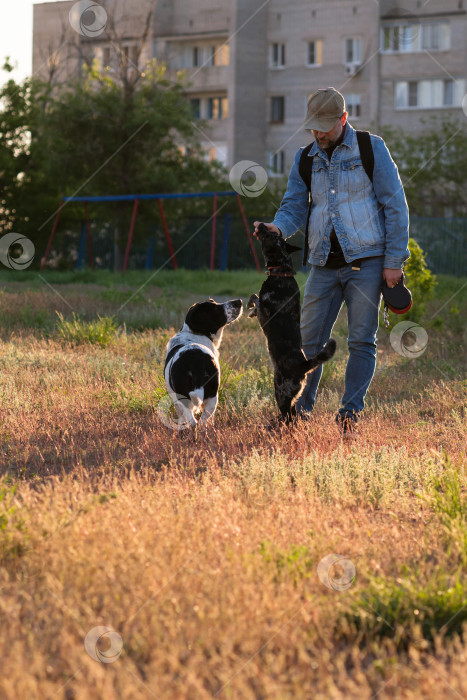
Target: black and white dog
[[278, 311], [192, 370]]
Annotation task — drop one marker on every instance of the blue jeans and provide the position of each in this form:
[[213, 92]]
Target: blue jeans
[[325, 292]]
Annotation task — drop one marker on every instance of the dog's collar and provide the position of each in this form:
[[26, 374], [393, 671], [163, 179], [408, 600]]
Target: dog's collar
[[270, 272]]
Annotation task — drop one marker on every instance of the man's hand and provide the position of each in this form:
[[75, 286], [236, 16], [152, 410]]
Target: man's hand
[[391, 276], [271, 227]]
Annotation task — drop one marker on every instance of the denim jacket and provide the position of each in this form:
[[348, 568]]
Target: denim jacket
[[369, 219]]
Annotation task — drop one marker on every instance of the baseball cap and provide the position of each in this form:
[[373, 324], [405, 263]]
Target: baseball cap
[[324, 108]]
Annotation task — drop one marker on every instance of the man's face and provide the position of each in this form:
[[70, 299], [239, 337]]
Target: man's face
[[326, 139]]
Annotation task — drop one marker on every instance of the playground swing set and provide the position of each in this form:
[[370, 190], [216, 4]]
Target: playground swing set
[[136, 198]]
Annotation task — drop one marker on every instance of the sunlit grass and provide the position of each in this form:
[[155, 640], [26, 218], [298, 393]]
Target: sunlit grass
[[202, 549]]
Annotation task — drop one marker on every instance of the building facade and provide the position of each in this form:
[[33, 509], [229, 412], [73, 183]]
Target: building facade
[[250, 65]]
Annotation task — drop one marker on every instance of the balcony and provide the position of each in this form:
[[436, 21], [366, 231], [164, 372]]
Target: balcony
[[203, 78]]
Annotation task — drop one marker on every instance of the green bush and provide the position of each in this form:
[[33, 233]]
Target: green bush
[[421, 282], [78, 332]]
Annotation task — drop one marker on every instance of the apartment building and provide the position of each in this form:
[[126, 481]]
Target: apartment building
[[250, 65]]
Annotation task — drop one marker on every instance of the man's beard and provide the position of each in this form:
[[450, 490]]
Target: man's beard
[[332, 142], [327, 143]]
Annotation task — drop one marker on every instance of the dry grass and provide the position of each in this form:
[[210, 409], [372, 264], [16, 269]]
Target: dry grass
[[201, 551]]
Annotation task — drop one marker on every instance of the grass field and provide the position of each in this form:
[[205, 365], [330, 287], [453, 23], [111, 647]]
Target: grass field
[[208, 555]]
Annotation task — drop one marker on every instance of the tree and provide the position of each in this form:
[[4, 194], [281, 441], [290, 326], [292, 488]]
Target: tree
[[94, 136], [17, 118], [433, 166]]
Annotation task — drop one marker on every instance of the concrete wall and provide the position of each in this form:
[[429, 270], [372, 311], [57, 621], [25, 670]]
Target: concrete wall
[[248, 103], [250, 27]]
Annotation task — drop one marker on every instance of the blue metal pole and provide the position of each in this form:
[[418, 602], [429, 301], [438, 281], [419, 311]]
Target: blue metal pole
[[132, 197]]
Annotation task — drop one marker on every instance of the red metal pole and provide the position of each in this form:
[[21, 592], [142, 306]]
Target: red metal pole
[[49, 244], [130, 235], [167, 234], [242, 211], [213, 237], [88, 231]]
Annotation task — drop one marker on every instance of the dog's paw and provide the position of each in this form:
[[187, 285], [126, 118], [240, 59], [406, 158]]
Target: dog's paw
[[253, 305]]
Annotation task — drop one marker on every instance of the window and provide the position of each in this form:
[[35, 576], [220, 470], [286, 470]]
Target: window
[[411, 37], [413, 94], [130, 55], [408, 37], [222, 154], [429, 94], [314, 53], [216, 151], [435, 37], [353, 105], [221, 55], [189, 56], [106, 57], [217, 108], [195, 104], [218, 55], [448, 93], [277, 109], [211, 59], [276, 162], [353, 51], [277, 55]]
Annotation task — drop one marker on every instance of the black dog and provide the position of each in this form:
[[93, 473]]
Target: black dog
[[278, 311]]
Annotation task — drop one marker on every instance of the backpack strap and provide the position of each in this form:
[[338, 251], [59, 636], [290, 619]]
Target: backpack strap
[[305, 167], [366, 152]]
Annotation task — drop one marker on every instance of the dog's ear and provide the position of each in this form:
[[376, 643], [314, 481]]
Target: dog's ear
[[291, 248]]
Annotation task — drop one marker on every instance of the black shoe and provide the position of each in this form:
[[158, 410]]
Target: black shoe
[[348, 426], [303, 415]]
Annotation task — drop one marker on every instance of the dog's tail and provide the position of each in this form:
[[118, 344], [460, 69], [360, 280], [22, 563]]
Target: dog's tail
[[323, 356], [197, 396]]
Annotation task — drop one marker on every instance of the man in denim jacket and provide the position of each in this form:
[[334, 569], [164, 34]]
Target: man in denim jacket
[[352, 220]]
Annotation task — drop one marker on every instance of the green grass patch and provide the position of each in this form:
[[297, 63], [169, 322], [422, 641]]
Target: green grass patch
[[13, 533], [24, 317], [295, 563], [131, 400], [422, 600], [204, 282], [251, 389], [78, 332], [406, 608]]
